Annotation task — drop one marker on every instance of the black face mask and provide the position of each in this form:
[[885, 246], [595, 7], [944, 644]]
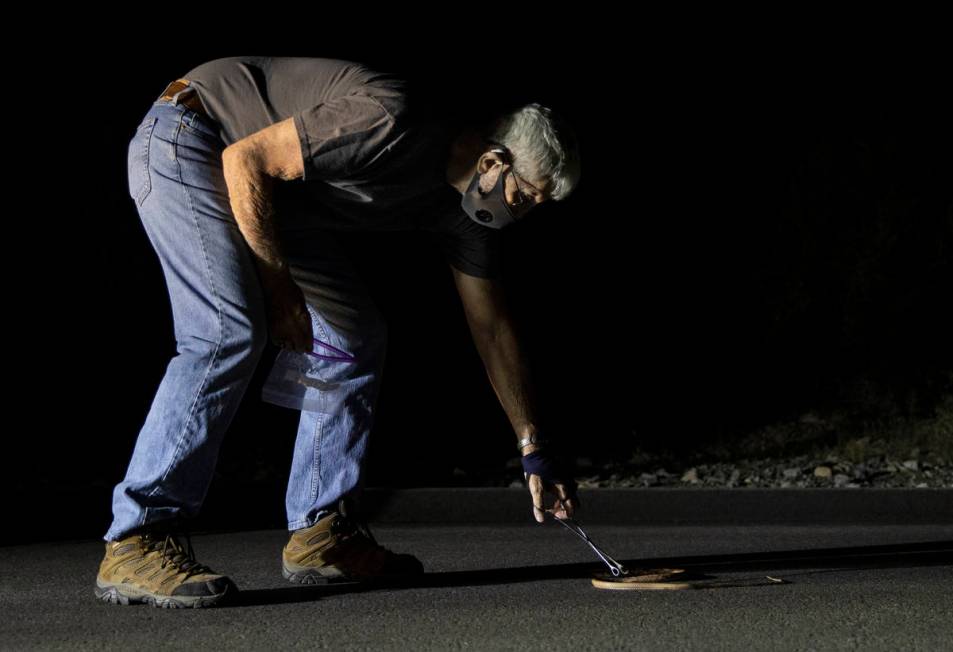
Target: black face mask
[[491, 209]]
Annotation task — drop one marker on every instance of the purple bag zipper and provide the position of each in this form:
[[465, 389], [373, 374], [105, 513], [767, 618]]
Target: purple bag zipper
[[346, 356]]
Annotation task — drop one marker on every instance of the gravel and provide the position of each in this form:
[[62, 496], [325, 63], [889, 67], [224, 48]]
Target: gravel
[[917, 470], [921, 472], [815, 450]]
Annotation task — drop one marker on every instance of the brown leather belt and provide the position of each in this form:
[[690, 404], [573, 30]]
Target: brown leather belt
[[191, 100]]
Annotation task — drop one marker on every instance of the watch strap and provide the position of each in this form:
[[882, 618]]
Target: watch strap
[[531, 439]]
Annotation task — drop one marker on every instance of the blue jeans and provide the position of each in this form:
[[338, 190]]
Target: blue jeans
[[220, 325]]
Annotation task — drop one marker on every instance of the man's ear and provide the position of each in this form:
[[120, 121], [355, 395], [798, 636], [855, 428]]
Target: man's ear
[[484, 164], [487, 160]]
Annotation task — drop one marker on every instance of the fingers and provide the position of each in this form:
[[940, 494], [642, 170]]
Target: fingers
[[536, 491], [565, 503]]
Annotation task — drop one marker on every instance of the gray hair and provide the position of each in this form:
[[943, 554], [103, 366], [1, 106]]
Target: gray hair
[[542, 144]]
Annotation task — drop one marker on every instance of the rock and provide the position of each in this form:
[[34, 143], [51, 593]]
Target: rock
[[734, 477], [840, 480], [639, 458], [648, 479], [516, 484], [811, 418], [790, 474], [691, 475], [910, 465], [823, 472]]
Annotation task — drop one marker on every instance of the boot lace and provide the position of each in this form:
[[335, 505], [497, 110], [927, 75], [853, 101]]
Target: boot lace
[[351, 519], [172, 553]]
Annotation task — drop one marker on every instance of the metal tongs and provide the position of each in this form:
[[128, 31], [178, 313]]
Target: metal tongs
[[614, 566]]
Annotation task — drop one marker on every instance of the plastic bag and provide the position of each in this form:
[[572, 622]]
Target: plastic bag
[[298, 380]]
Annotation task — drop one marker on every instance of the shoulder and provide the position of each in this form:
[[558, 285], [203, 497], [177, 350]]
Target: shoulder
[[456, 224]]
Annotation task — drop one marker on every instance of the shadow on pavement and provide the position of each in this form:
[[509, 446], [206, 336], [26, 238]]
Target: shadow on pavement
[[699, 570]]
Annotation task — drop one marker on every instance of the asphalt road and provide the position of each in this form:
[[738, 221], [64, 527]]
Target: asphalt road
[[522, 587]]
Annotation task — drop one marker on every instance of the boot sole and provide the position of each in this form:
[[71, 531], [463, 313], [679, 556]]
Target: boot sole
[[311, 576], [314, 577], [126, 594]]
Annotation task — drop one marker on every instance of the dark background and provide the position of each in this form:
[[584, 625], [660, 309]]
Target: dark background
[[757, 233]]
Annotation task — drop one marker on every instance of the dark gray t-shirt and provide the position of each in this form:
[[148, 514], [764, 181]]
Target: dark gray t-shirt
[[374, 153]]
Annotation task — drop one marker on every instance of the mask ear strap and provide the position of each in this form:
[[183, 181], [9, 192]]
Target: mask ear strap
[[507, 157], [504, 152]]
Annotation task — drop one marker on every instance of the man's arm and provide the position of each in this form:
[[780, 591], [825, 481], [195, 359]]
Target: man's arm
[[484, 305], [250, 166]]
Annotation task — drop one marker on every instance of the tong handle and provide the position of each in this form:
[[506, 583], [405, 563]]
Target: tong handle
[[615, 567]]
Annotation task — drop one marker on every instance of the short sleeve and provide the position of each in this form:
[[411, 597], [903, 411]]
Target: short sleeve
[[343, 135], [473, 249]]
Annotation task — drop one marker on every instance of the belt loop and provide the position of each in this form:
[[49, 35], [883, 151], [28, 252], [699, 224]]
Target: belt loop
[[188, 88], [175, 98]]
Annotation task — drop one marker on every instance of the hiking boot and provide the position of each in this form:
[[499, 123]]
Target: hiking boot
[[339, 548], [153, 567]]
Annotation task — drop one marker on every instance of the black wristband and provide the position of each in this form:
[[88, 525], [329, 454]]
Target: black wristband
[[549, 469]]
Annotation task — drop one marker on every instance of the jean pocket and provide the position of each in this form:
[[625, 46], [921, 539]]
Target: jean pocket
[[140, 180], [201, 130]]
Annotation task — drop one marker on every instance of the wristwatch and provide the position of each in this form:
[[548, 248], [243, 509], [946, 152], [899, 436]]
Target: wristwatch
[[535, 438]]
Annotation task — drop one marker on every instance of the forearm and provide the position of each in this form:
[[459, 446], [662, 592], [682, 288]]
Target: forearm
[[509, 374], [250, 196]]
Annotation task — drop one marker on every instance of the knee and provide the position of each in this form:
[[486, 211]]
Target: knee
[[246, 339]]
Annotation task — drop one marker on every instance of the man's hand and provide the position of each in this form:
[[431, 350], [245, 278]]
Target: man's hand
[[289, 321], [564, 505], [553, 476]]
